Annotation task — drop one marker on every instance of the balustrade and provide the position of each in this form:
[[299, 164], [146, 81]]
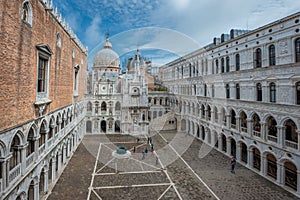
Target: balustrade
[[29, 160], [291, 144], [256, 133], [272, 138], [14, 173]]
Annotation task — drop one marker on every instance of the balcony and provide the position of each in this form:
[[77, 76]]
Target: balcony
[[29, 160], [15, 173], [41, 149], [272, 138], [244, 129], [291, 144], [256, 133], [49, 142]]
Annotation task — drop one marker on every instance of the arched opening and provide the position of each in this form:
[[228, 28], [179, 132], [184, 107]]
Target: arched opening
[[223, 116], [271, 166], [208, 113], [233, 120], [103, 126], [224, 144], [16, 152], [118, 107], [208, 136], [256, 125], [243, 117], [290, 171], [298, 93], [202, 111], [291, 135], [42, 139], [183, 125], [258, 92], [30, 140], [103, 107], [89, 127], [50, 172], [42, 183], [154, 114], [272, 56], [244, 153], [271, 129], [117, 126], [233, 147], [203, 133], [198, 131], [216, 114], [30, 193], [257, 58], [256, 159], [89, 107], [272, 92]]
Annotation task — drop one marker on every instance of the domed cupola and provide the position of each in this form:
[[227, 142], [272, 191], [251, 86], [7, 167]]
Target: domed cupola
[[107, 58]]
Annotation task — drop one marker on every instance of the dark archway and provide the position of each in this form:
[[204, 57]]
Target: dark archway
[[103, 126], [117, 126]]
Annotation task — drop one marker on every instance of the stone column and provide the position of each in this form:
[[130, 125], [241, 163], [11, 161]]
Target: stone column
[[36, 190], [263, 163], [298, 132], [7, 169], [36, 147], [250, 158], [298, 185], [263, 131], [280, 136], [53, 169], [64, 153], [220, 144], [206, 114], [249, 126], [213, 139], [4, 172], [228, 121], [59, 161], [23, 158], [280, 174], [220, 119], [238, 151], [46, 181], [238, 123], [228, 144]]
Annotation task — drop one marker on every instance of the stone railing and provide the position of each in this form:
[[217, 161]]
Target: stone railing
[[233, 126], [41, 149], [29, 160], [256, 133], [291, 144], [272, 138], [50, 142], [14, 173], [244, 129]]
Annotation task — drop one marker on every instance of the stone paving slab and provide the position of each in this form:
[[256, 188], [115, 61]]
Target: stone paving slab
[[130, 179], [213, 169]]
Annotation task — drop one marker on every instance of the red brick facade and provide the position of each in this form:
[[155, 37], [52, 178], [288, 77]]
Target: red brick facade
[[18, 63]]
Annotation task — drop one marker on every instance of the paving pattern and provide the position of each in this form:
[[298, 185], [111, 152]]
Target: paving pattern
[[176, 170]]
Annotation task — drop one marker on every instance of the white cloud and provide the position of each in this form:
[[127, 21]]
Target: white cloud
[[93, 33]]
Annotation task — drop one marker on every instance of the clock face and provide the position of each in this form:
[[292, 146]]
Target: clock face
[[103, 88]]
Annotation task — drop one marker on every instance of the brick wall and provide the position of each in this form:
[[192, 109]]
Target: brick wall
[[18, 63]]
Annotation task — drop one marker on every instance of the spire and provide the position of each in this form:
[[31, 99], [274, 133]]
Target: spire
[[107, 44]]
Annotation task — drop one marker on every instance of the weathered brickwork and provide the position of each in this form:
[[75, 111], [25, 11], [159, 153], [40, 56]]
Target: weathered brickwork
[[18, 63]]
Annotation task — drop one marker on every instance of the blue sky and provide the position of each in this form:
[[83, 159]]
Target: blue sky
[[166, 29]]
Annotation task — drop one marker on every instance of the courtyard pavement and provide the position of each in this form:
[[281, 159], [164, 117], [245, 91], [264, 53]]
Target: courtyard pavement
[[180, 167]]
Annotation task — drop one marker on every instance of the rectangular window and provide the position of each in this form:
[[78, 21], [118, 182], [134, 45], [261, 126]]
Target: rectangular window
[[42, 74]]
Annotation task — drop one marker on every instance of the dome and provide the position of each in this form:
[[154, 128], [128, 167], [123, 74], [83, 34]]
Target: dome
[[107, 57]]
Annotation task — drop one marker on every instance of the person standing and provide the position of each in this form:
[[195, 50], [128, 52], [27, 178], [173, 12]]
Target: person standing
[[233, 163]]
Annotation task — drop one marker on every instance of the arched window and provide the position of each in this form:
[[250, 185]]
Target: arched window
[[298, 93], [227, 91], [212, 91], [257, 58], [205, 90], [227, 64], [222, 65], [237, 91], [237, 62], [217, 66], [297, 50], [195, 89], [26, 12], [190, 69], [272, 92], [258, 92], [58, 40], [272, 58]]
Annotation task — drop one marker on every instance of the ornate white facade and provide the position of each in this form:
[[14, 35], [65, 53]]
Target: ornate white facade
[[241, 94]]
